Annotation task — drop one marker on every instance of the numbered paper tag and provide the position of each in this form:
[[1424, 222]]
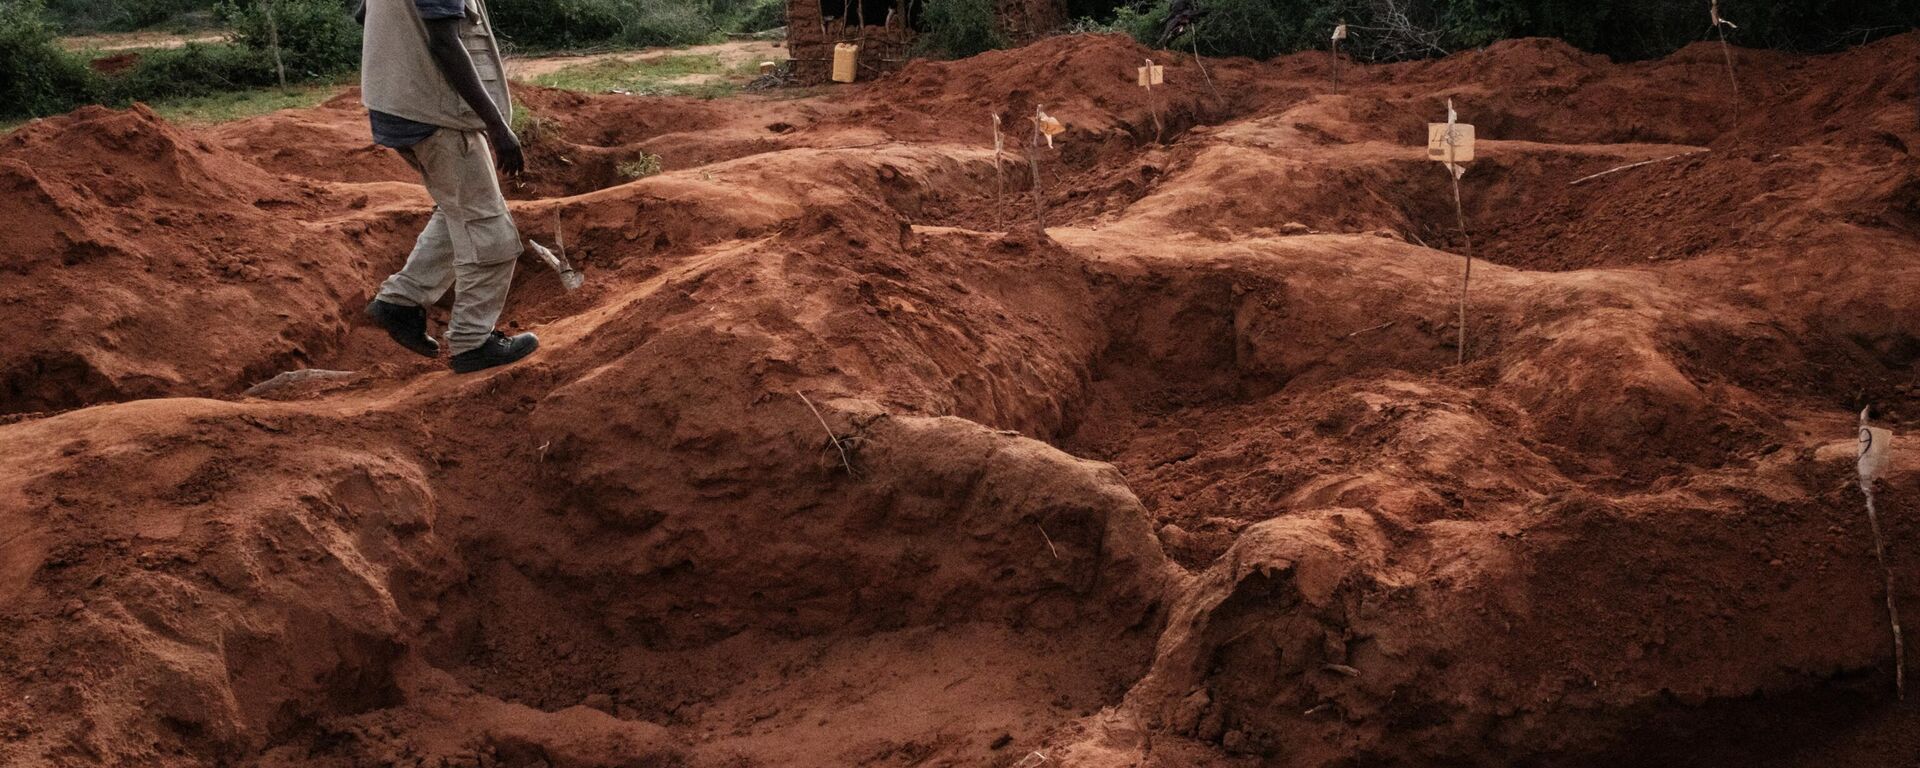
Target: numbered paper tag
[[1051, 126], [1340, 32], [1152, 75], [1461, 139], [1876, 448]]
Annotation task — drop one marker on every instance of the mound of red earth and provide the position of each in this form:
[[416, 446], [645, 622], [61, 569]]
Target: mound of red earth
[[838, 459]]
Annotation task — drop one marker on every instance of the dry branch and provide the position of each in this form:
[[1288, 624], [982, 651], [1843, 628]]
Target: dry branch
[[830, 435], [1203, 67], [1628, 166]]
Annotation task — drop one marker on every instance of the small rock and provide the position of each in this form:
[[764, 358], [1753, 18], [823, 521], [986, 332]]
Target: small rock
[[1294, 228]]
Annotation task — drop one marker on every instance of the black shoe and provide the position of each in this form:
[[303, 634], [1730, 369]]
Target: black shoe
[[407, 325], [499, 349]]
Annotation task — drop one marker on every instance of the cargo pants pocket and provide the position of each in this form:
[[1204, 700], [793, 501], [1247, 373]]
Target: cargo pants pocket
[[491, 239]]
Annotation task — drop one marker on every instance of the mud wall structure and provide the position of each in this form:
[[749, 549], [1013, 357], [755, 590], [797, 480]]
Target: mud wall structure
[[887, 34]]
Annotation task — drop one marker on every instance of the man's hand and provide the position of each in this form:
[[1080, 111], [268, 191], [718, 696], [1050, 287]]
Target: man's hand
[[506, 150], [443, 42]]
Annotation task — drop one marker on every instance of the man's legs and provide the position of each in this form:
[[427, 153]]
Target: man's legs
[[400, 304], [470, 244], [429, 269]]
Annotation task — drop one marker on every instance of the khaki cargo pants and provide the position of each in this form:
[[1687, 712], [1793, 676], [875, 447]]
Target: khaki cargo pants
[[469, 245]]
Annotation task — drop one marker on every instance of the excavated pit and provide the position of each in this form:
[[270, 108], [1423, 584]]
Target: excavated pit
[[837, 460]]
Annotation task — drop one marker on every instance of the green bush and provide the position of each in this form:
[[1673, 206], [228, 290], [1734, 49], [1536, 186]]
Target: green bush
[[36, 76], [758, 16], [1624, 29], [317, 37], [572, 24], [196, 69], [959, 27], [123, 15]]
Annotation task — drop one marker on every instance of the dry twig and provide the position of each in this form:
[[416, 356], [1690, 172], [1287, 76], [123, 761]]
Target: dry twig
[[1628, 166], [830, 435], [1050, 547]]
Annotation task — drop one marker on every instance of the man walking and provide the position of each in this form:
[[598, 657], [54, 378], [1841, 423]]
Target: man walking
[[436, 91]]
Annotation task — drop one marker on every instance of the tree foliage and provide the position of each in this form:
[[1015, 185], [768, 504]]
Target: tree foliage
[[1624, 29]]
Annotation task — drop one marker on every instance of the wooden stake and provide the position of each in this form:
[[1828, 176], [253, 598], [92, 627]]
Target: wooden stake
[[1875, 448], [1339, 34], [1033, 168], [1153, 105], [1720, 28], [999, 177], [1454, 170], [1336, 65], [1466, 277], [1893, 613]]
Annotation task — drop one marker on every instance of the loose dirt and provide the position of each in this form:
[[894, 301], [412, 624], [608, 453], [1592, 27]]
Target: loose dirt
[[1188, 478]]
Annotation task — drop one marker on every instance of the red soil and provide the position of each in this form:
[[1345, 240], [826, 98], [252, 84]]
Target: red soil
[[1187, 478]]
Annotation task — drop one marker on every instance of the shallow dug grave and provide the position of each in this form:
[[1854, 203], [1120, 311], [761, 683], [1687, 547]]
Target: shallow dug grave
[[838, 460]]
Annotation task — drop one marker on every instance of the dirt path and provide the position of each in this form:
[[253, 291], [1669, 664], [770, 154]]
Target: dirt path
[[126, 41], [839, 459], [731, 54]]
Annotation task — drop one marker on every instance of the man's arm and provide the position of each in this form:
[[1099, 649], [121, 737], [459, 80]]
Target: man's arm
[[443, 42]]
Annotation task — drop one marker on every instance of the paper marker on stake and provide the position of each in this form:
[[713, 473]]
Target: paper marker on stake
[[1149, 76], [1049, 126], [1452, 143], [1043, 125], [1339, 34], [1876, 447]]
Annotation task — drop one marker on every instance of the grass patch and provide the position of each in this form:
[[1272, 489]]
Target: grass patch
[[227, 106], [655, 76], [640, 167], [236, 105]]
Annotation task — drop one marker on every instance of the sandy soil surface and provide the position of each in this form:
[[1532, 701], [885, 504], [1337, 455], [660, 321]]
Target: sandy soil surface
[[1187, 477]]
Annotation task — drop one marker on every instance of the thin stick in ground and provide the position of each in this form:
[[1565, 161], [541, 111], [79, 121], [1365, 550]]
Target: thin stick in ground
[[1726, 52], [1336, 65], [1033, 169], [1203, 65], [830, 435], [1339, 33], [1893, 612], [1460, 216], [1875, 447], [999, 177]]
